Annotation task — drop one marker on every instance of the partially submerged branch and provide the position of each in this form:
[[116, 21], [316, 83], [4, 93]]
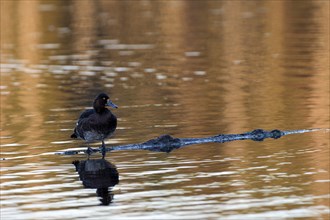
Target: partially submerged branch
[[167, 143]]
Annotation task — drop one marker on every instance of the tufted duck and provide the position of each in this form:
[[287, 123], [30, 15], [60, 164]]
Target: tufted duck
[[98, 123]]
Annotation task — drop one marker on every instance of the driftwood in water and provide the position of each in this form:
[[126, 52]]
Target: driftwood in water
[[167, 143]]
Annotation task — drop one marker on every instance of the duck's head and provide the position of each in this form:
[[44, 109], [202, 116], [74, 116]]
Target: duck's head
[[101, 101]]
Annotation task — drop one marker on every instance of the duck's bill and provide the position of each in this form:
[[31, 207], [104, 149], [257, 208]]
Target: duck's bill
[[111, 104]]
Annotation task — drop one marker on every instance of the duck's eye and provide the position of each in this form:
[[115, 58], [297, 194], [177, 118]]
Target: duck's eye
[[104, 98]]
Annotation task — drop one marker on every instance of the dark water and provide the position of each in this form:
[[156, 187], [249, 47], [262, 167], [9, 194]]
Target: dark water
[[185, 68]]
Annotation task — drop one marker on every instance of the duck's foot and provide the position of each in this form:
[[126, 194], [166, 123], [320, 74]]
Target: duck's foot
[[103, 151], [89, 152]]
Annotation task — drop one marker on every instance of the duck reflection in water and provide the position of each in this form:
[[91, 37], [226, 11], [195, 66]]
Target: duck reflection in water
[[98, 174]]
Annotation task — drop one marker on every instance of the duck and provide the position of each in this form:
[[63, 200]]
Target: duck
[[96, 124]]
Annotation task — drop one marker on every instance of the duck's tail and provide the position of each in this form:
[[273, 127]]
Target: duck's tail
[[73, 135]]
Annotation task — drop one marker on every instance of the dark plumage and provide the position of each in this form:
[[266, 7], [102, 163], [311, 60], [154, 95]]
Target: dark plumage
[[98, 123]]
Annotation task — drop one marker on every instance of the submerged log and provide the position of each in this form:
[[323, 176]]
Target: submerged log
[[167, 143]]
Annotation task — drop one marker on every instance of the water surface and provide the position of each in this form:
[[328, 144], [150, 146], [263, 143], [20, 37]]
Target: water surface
[[185, 68]]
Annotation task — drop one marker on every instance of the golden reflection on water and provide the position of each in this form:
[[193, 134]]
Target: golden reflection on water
[[189, 68]]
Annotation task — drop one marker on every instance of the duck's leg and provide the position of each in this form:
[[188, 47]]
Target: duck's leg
[[89, 151], [103, 150]]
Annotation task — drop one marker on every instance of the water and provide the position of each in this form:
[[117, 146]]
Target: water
[[185, 68]]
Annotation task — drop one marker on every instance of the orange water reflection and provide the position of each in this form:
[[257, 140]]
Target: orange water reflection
[[188, 68]]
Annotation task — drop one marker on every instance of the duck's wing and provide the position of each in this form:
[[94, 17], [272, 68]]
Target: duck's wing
[[82, 118], [86, 114]]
